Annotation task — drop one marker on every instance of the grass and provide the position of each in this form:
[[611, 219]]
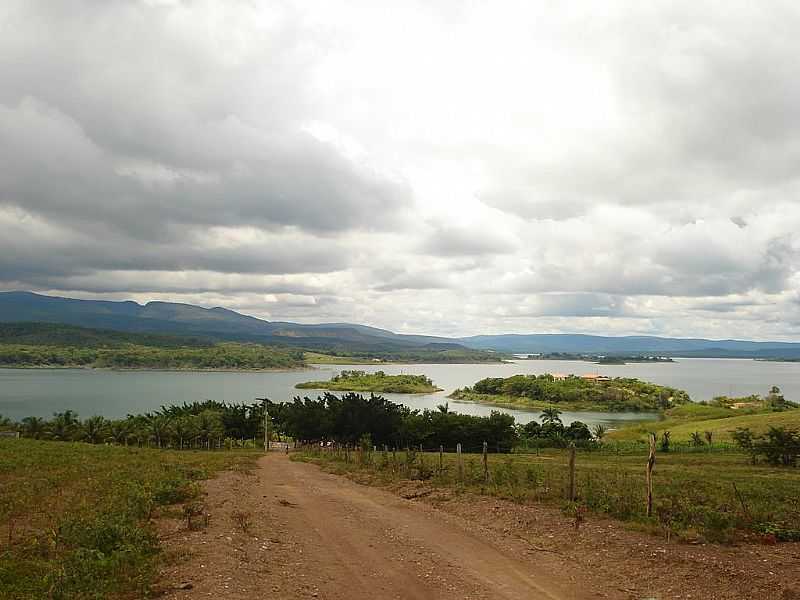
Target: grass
[[721, 422], [75, 519], [694, 492]]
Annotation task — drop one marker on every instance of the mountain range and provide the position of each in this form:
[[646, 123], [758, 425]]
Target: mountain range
[[224, 324]]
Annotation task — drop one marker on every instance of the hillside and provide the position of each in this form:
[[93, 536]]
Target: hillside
[[721, 422], [56, 334], [221, 324], [353, 340]]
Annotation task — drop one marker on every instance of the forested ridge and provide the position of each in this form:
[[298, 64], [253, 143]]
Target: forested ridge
[[57, 345]]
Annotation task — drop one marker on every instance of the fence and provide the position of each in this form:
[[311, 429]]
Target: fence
[[714, 492]]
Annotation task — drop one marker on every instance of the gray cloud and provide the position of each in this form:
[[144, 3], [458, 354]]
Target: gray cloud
[[613, 170]]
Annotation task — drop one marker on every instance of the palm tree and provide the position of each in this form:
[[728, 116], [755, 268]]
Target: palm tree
[[550, 416], [34, 427], [63, 425], [443, 408], [183, 429], [94, 429], [159, 429], [118, 431], [599, 431]]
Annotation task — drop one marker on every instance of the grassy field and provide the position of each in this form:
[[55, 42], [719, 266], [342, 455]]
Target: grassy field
[[694, 492], [721, 422], [75, 518]]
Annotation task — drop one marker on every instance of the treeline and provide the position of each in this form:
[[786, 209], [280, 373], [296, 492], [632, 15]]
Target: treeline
[[347, 419], [220, 356], [415, 355], [613, 394], [206, 424], [356, 419]]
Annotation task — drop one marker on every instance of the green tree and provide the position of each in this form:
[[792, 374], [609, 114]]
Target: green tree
[[551, 416], [93, 430], [119, 431], [34, 427], [599, 431]]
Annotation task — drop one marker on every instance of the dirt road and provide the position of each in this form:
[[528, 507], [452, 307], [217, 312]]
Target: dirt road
[[290, 530]]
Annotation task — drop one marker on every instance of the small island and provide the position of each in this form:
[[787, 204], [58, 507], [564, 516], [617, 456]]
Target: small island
[[379, 382], [573, 392]]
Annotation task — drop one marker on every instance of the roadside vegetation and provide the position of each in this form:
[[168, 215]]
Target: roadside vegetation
[[76, 520], [717, 497], [209, 424], [378, 382], [573, 393]]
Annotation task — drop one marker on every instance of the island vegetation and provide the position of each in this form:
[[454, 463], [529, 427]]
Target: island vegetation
[[573, 393], [378, 382]]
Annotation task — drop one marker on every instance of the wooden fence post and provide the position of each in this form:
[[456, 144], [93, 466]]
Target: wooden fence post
[[572, 473], [485, 462], [460, 464], [441, 464], [651, 461]]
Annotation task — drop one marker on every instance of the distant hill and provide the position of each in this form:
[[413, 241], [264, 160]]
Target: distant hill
[[214, 324], [595, 344], [221, 324]]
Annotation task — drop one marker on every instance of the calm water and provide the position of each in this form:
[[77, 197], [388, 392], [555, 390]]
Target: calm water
[[40, 392]]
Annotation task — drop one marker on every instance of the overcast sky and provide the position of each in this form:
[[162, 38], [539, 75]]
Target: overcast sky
[[441, 167]]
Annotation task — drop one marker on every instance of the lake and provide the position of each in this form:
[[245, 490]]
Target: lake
[[41, 392]]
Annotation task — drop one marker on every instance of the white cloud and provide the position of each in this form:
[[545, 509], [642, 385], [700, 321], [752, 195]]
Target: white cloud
[[450, 168]]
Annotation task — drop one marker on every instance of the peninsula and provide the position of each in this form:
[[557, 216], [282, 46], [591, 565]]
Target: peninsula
[[573, 392]]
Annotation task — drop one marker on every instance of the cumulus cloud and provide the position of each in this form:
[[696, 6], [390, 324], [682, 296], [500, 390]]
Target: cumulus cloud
[[520, 167]]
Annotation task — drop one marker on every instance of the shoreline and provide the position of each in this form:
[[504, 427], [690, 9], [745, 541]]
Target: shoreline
[[361, 391], [529, 405]]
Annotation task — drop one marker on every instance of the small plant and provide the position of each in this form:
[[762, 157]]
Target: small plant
[[697, 439], [242, 519], [196, 516], [665, 441]]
